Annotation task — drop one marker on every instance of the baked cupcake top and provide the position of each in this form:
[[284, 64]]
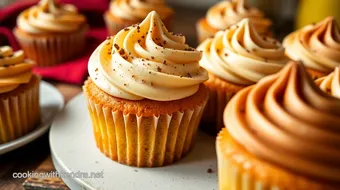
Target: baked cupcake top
[[227, 13], [49, 17], [240, 55], [14, 69], [316, 45], [288, 121], [331, 83], [147, 61], [137, 10]]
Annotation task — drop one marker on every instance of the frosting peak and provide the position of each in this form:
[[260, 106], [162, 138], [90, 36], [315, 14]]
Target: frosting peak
[[331, 83], [14, 69], [48, 16], [147, 61], [286, 120], [317, 45], [227, 13], [138, 10], [240, 55]]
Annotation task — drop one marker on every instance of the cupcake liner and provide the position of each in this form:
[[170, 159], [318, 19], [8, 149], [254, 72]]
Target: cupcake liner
[[19, 113], [238, 169], [220, 93], [144, 141], [49, 50]]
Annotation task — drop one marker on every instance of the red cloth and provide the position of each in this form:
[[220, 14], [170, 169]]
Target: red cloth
[[73, 71]]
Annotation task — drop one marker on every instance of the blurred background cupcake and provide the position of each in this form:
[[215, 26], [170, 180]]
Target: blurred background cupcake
[[235, 58], [330, 83], [19, 95], [123, 13], [51, 33]]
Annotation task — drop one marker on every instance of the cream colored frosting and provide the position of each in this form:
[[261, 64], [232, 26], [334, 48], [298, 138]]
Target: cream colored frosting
[[138, 10], [14, 69], [47, 16], [331, 83], [286, 120], [317, 45], [147, 61], [239, 55], [227, 13]]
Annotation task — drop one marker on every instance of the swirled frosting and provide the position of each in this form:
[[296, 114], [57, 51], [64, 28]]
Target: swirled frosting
[[287, 120], [14, 69], [227, 13], [147, 61], [316, 45], [47, 16], [331, 83], [239, 55], [138, 10]]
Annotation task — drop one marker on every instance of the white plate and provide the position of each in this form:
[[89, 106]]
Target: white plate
[[51, 102], [73, 150]]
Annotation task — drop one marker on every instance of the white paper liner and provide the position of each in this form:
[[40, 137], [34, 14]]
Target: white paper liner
[[144, 141], [19, 114], [52, 49]]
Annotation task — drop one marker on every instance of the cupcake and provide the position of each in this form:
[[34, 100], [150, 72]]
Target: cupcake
[[19, 95], [123, 13], [236, 58], [330, 83], [227, 13], [317, 46], [51, 33], [145, 95], [282, 133]]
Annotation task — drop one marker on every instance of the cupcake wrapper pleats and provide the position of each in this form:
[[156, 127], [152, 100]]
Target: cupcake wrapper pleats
[[144, 141]]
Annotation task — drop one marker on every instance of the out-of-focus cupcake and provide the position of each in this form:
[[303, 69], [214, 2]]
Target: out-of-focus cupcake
[[317, 46], [227, 13], [19, 95], [145, 95], [51, 33], [236, 58], [330, 83], [282, 133], [124, 13]]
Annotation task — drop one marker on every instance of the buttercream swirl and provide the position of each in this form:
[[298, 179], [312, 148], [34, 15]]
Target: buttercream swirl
[[239, 55], [14, 69], [138, 10], [287, 120], [227, 13], [47, 16], [316, 45], [331, 83], [147, 61]]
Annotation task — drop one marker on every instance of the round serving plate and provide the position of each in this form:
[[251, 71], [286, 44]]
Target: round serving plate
[[74, 152], [51, 102]]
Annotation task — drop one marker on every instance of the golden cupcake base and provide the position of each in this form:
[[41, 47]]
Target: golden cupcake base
[[144, 133]]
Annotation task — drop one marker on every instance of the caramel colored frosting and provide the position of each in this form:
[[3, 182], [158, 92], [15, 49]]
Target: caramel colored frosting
[[316, 45], [239, 55], [14, 69], [137, 10], [227, 13], [147, 61], [331, 83], [47, 16], [288, 121]]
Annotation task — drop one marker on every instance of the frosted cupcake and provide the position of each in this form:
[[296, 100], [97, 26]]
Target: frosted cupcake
[[282, 133], [331, 83], [19, 95], [227, 13], [145, 95], [51, 33], [123, 13], [236, 58], [317, 46]]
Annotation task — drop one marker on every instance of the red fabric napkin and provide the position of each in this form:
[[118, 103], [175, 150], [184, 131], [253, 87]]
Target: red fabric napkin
[[73, 71]]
